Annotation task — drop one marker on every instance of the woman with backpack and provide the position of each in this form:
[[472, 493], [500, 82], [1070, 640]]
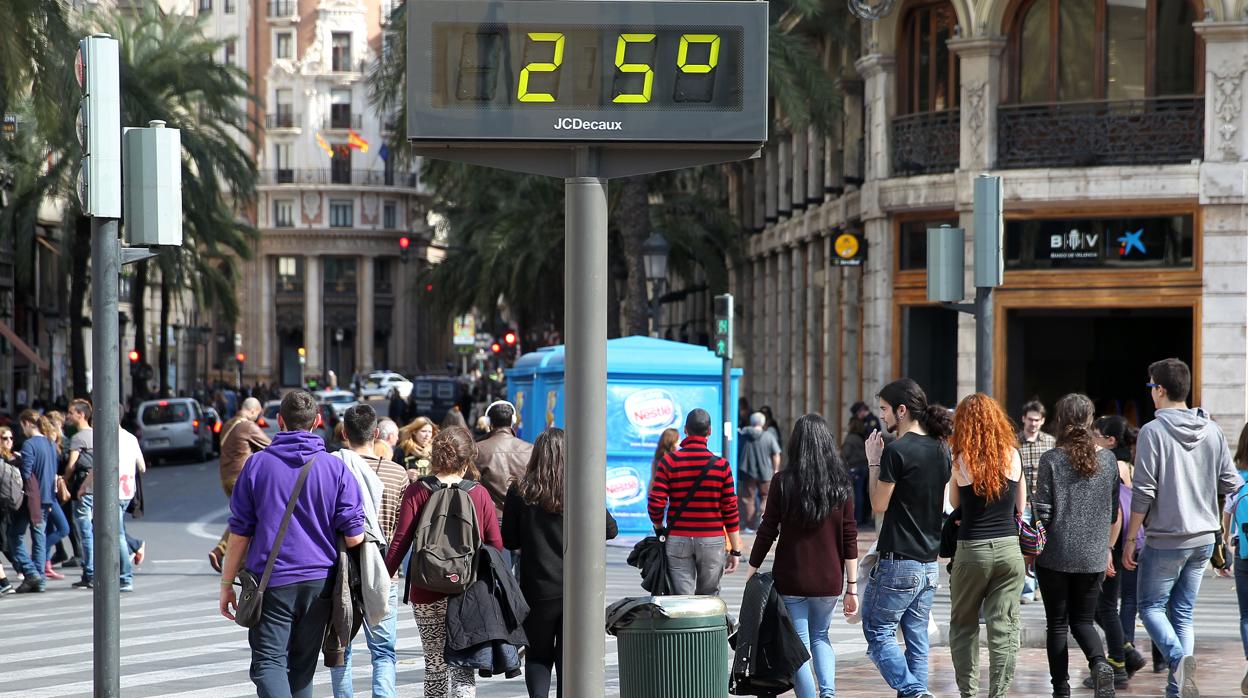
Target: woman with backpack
[[811, 510], [1077, 499], [452, 454], [988, 570], [533, 524]]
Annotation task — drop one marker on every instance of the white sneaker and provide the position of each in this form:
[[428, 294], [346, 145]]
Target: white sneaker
[[1186, 678]]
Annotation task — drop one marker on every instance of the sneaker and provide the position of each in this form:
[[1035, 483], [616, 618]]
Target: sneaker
[[1243, 685], [6, 588], [1134, 660], [1120, 679], [72, 562], [83, 584], [30, 585], [126, 588], [51, 573], [1103, 679], [1027, 598], [1185, 676]]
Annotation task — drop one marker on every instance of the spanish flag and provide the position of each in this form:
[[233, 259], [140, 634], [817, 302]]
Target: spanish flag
[[324, 144], [355, 140]]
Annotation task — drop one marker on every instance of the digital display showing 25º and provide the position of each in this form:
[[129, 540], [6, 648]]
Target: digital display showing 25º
[[681, 72], [559, 66]]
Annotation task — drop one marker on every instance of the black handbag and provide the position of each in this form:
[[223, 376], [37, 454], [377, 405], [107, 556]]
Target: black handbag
[[650, 553], [251, 595]]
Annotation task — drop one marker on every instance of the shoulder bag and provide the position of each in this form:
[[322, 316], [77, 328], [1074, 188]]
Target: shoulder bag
[[1031, 536], [251, 595]]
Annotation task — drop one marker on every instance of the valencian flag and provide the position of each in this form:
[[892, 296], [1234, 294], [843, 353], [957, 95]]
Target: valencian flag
[[355, 140], [324, 144]]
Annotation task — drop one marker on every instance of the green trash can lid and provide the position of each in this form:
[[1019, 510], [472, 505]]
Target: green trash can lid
[[624, 611]]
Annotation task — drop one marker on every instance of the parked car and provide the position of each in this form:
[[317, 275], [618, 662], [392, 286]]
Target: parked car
[[434, 396], [380, 383], [213, 420], [340, 400], [329, 420], [173, 427]]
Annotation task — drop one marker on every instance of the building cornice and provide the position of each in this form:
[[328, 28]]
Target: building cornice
[[978, 47]]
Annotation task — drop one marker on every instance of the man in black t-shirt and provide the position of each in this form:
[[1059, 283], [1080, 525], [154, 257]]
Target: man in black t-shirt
[[907, 483]]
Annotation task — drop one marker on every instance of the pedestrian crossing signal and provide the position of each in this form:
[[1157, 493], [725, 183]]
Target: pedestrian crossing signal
[[723, 326]]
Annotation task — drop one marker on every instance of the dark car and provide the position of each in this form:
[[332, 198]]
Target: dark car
[[434, 396]]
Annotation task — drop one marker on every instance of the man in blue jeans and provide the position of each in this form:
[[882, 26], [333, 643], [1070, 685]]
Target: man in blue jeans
[[908, 478], [1182, 467]]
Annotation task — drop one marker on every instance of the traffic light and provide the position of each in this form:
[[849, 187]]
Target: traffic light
[[404, 243], [135, 364], [99, 126], [240, 357], [496, 348], [303, 356], [509, 338], [134, 357], [723, 326]]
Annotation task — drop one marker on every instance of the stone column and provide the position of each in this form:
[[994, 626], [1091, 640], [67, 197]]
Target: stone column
[[266, 362], [879, 98], [758, 331], [313, 324], [834, 358], [795, 368], [746, 195], [849, 165], [877, 310], [366, 305], [784, 178], [813, 356], [982, 92], [800, 167], [814, 167], [851, 329], [758, 219], [1223, 368], [772, 187]]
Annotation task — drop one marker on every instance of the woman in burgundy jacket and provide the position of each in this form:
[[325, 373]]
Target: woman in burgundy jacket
[[811, 509]]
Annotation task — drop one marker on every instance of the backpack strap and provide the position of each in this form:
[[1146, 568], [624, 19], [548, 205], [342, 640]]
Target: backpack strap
[[466, 485]]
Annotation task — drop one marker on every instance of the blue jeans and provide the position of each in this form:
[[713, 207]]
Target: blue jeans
[[56, 527], [811, 617], [381, 641], [899, 592], [83, 509], [29, 564], [127, 570], [1241, 590], [1128, 608], [1029, 579], [1169, 581]]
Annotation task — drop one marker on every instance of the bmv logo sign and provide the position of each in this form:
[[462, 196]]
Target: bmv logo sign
[[1130, 241]]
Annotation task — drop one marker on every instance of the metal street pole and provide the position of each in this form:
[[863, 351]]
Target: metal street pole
[[585, 370], [108, 546], [983, 339], [726, 393]]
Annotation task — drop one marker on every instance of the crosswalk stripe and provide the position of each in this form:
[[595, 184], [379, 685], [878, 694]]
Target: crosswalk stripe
[[13, 675]]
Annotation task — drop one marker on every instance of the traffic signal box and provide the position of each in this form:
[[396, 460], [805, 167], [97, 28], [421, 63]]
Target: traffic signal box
[[723, 326]]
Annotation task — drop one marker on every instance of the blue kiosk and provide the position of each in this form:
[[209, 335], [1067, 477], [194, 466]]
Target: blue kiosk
[[651, 385]]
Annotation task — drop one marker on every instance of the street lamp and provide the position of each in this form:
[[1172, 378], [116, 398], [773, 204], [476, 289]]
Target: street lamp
[[654, 253]]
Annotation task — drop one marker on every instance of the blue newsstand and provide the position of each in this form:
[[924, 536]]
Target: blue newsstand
[[651, 385]]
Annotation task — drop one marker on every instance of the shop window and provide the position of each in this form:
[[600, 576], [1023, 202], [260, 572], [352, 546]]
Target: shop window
[[929, 77], [1076, 50], [289, 274], [1108, 242]]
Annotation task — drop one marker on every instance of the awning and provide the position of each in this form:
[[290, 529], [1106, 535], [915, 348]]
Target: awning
[[22, 347]]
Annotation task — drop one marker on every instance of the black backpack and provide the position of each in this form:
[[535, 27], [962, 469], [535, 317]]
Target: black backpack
[[82, 468], [447, 538], [12, 488]]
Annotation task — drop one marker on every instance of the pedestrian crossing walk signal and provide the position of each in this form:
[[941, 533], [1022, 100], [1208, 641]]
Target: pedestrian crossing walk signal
[[723, 326]]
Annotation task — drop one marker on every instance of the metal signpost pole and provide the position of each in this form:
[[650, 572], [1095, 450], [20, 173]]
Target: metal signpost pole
[[105, 394], [983, 340], [585, 370]]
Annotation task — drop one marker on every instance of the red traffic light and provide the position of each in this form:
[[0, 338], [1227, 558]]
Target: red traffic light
[[510, 339], [134, 356], [429, 288], [241, 357], [405, 242], [496, 348]]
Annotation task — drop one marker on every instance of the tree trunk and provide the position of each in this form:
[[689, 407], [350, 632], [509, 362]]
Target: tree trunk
[[138, 307], [164, 335], [80, 255], [634, 220]]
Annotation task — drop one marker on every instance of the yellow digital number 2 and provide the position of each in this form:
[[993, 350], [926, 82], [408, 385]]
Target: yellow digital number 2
[[523, 93], [682, 57], [621, 46]]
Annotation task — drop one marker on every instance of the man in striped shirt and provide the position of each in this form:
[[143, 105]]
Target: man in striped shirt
[[694, 491]]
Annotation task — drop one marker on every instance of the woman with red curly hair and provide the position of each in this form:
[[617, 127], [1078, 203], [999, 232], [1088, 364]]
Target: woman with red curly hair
[[988, 570]]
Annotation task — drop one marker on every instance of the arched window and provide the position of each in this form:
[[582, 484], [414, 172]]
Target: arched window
[[1071, 50], [929, 70]]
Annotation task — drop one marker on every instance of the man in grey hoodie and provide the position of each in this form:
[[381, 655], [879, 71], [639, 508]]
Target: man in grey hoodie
[[1182, 467]]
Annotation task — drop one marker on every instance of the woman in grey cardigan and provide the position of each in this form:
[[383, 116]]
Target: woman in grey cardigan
[[1077, 498]]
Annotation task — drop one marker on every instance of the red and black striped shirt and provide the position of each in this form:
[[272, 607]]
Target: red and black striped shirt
[[712, 509]]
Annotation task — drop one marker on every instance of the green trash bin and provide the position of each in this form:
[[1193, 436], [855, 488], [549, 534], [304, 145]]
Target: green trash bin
[[671, 646]]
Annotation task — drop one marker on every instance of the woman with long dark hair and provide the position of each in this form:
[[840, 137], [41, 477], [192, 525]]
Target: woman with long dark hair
[[1077, 499], [533, 524], [811, 510], [988, 570]]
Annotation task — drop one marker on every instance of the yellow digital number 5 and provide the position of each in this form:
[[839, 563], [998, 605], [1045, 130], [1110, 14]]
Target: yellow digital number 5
[[621, 46], [523, 93], [682, 57]]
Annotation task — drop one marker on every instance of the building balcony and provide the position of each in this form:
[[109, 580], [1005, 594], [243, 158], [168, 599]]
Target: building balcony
[[363, 178], [1155, 131], [345, 121], [283, 9], [927, 143], [289, 287], [283, 119]]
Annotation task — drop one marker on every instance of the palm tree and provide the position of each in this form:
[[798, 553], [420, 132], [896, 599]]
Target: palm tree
[[170, 73]]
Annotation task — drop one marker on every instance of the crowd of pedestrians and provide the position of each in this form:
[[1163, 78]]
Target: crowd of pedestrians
[[46, 519]]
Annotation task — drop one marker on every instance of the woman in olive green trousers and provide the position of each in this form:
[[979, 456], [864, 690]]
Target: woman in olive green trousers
[[988, 570]]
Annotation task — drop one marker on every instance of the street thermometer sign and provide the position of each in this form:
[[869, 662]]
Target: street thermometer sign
[[631, 77]]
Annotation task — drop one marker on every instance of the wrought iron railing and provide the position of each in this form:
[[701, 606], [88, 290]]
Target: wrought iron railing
[[1152, 131], [282, 8], [369, 178], [927, 142], [282, 119], [345, 119]]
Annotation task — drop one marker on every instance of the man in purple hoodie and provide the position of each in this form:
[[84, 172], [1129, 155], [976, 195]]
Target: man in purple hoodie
[[286, 642]]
